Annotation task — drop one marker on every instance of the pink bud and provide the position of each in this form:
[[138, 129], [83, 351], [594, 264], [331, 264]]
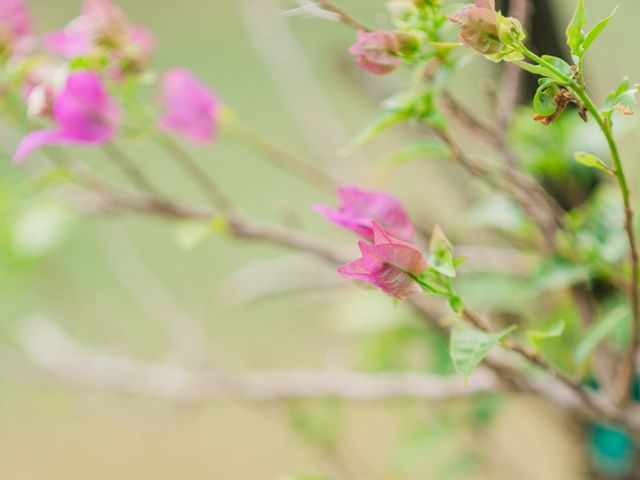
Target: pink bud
[[358, 208], [191, 108], [84, 112], [377, 51], [389, 264], [479, 26]]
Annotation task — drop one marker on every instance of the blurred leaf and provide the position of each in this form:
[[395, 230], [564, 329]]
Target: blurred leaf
[[591, 161], [377, 125], [40, 228], [190, 234], [602, 329], [557, 272], [469, 346], [536, 337], [421, 149], [495, 291], [538, 70], [319, 423]]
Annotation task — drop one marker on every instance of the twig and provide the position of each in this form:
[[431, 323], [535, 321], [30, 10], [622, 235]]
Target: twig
[[129, 169], [197, 174], [282, 159], [343, 15]]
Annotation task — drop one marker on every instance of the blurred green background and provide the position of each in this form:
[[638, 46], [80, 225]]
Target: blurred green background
[[90, 281]]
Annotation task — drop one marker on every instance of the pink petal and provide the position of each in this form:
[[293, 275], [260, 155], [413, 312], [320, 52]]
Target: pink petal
[[33, 141], [69, 43], [192, 109]]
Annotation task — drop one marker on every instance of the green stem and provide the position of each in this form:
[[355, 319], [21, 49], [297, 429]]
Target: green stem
[[627, 372]]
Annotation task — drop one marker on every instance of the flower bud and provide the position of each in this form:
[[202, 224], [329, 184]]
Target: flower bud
[[489, 32], [377, 51]]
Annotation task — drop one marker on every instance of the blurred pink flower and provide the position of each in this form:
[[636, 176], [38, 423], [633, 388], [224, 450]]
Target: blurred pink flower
[[103, 28], [16, 34], [84, 112], [191, 108], [377, 51], [389, 264], [479, 26], [358, 208]]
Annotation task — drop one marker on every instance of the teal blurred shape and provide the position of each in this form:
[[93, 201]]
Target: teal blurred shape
[[612, 450]]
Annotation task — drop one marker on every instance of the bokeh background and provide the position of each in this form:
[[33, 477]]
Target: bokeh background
[[109, 282]]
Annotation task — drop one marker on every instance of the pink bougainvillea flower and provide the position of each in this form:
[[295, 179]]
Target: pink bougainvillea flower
[[377, 51], [358, 208], [479, 26], [104, 29], [389, 264], [84, 112], [191, 108], [16, 34]]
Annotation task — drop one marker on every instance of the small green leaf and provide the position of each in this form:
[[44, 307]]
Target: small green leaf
[[591, 161], [536, 337], [441, 258], [468, 346], [424, 148], [544, 101], [456, 304], [377, 125], [599, 332], [595, 32], [575, 31], [622, 98]]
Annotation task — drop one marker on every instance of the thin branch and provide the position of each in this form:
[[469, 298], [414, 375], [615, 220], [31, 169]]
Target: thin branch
[[282, 159], [55, 352], [343, 16], [196, 173], [129, 169]]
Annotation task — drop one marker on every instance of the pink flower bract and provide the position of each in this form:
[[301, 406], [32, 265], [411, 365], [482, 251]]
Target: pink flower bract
[[358, 208], [191, 108], [15, 26], [376, 51], [84, 112], [389, 264]]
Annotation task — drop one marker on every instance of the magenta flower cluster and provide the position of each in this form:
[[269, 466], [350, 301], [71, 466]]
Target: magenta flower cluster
[[389, 260], [70, 87]]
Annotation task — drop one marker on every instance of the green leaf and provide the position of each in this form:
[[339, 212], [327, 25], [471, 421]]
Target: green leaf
[[544, 100], [441, 258], [575, 31], [599, 332], [595, 32], [623, 98], [424, 148], [591, 161], [558, 64], [539, 70], [536, 337], [377, 125], [468, 346]]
